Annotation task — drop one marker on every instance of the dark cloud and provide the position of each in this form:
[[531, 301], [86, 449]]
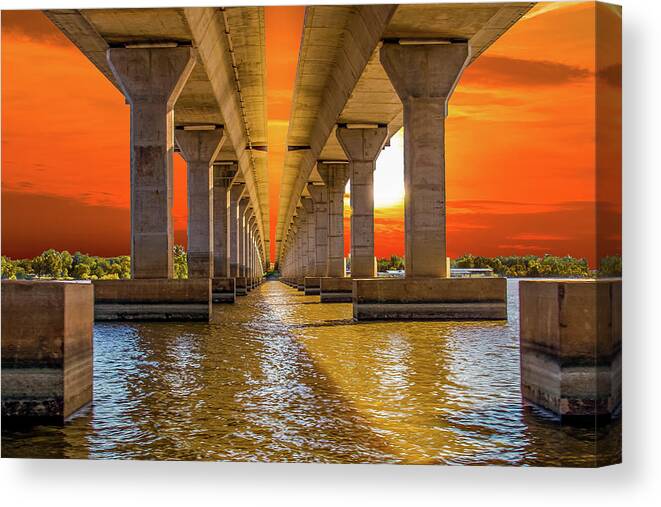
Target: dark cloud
[[515, 72], [32, 25]]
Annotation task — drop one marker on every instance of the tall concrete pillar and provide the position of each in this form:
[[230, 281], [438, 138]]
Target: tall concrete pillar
[[151, 80], [251, 240], [223, 175], [362, 147], [244, 207], [311, 252], [319, 195], [300, 239], [424, 77], [199, 149], [335, 176], [234, 236]]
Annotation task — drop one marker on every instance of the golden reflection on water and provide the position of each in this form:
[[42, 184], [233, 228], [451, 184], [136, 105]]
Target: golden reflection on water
[[280, 377]]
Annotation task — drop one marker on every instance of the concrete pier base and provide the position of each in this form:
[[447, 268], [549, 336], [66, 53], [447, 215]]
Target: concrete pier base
[[241, 285], [311, 285], [335, 290], [46, 349], [223, 290], [430, 299], [152, 299], [571, 347]]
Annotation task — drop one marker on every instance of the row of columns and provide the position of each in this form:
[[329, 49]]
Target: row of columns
[[223, 238], [424, 76]]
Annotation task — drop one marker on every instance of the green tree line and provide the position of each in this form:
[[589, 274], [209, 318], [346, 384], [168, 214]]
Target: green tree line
[[52, 264], [524, 266]]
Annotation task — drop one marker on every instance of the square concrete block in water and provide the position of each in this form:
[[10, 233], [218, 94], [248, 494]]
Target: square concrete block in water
[[311, 285], [571, 346], [153, 299], [223, 290], [335, 289], [46, 348], [430, 299]]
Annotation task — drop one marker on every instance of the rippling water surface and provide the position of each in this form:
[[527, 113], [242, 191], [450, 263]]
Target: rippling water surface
[[279, 377]]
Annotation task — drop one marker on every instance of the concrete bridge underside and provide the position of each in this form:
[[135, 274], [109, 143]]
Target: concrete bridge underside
[[226, 86], [363, 73]]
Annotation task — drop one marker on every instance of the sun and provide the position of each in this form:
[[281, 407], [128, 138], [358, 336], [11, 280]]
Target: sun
[[389, 174]]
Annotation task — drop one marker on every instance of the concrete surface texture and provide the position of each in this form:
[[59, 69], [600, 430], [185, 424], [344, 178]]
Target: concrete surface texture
[[221, 89], [336, 290], [199, 149], [310, 234], [571, 346], [153, 299], [235, 194], [223, 176], [362, 147], [345, 82], [319, 195], [336, 177], [424, 77], [46, 348], [151, 80], [430, 298], [223, 290]]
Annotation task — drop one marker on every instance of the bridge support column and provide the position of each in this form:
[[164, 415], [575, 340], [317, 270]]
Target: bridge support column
[[309, 277], [320, 197], [241, 286], [151, 79], [301, 252], [199, 148], [362, 147], [235, 195], [424, 77], [223, 284], [334, 286]]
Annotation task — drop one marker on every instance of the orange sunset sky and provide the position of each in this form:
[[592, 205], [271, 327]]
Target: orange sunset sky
[[520, 141]]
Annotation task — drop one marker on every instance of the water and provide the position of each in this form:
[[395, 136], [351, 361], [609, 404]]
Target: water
[[280, 377]]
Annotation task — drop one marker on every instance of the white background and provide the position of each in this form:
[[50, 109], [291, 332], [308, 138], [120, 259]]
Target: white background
[[636, 482]]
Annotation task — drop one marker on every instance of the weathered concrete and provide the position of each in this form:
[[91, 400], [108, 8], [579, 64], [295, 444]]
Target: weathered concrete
[[241, 285], [424, 77], [311, 285], [340, 79], [151, 80], [226, 87], [319, 195], [46, 348], [362, 147], [153, 299], [336, 289], [336, 177], [430, 299], [244, 210], [199, 149], [234, 238], [223, 290], [571, 346], [310, 236], [223, 176]]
